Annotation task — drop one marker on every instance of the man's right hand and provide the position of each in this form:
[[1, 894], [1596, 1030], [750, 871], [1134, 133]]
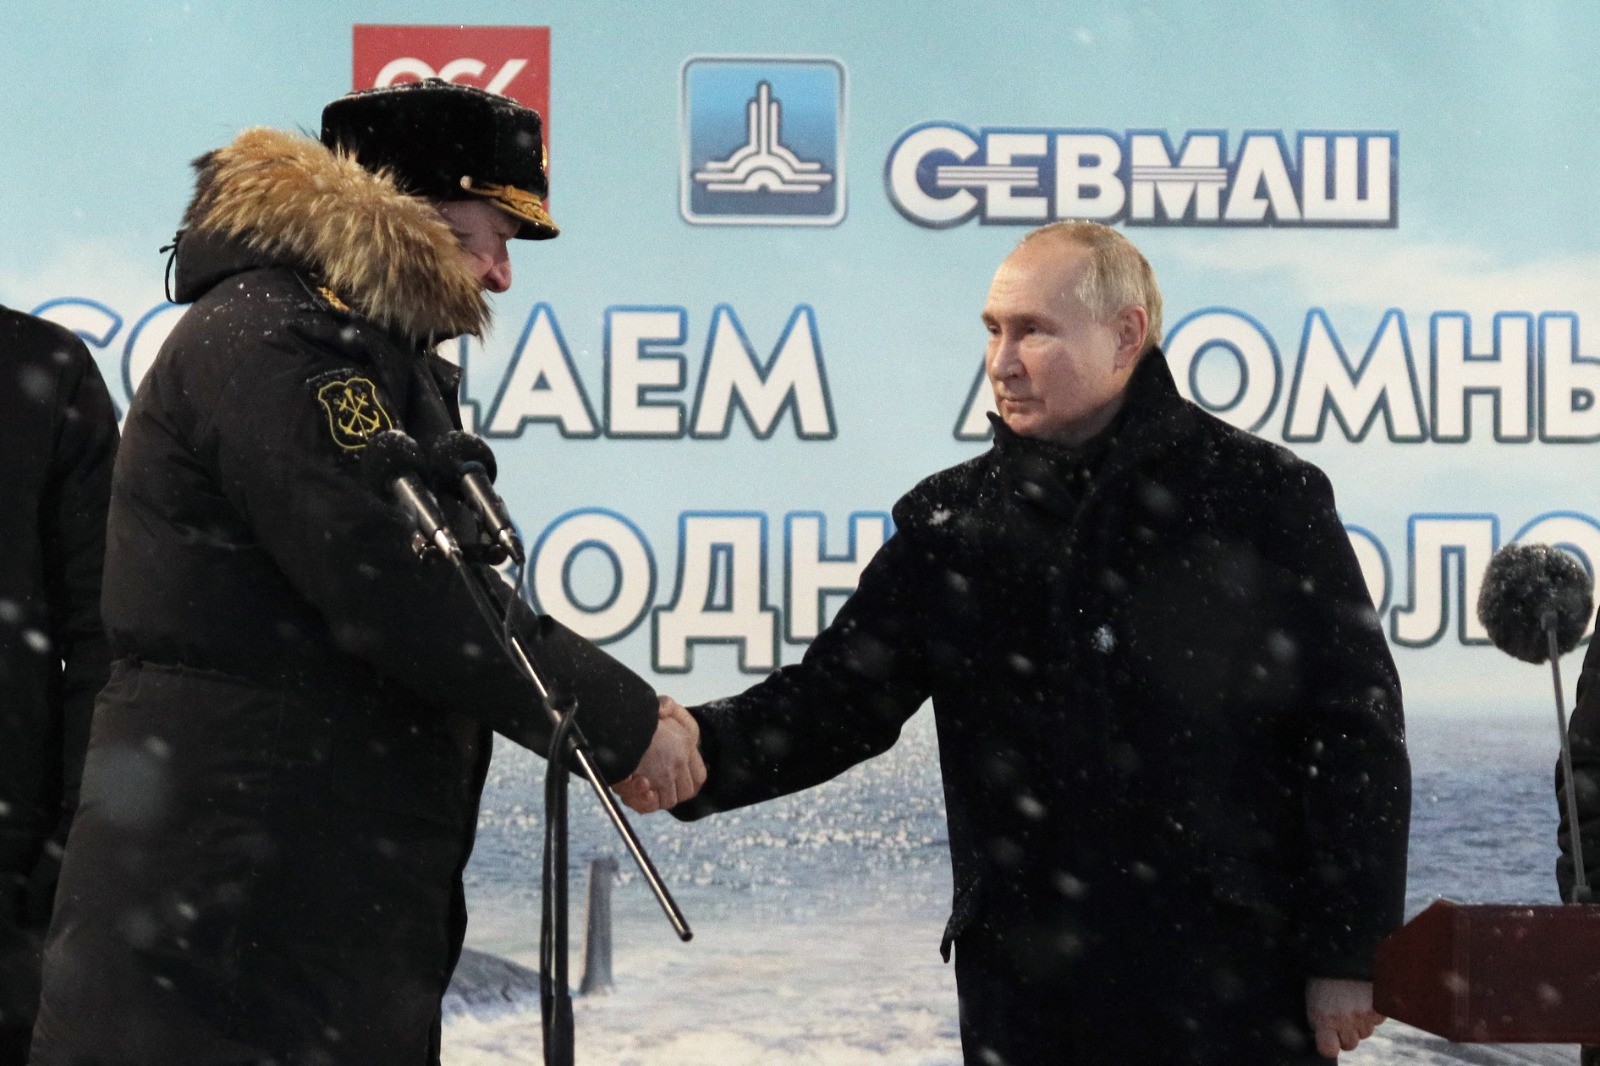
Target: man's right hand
[[1340, 1013], [671, 770]]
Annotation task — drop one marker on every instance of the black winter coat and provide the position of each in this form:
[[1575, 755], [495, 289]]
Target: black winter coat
[[1169, 728], [58, 436], [284, 772]]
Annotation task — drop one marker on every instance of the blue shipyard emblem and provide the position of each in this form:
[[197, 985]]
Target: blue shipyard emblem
[[763, 142]]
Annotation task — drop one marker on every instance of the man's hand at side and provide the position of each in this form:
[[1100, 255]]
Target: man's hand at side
[[1340, 1013], [671, 770]]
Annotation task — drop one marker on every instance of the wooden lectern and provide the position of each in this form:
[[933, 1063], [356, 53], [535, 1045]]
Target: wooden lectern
[[1494, 973]]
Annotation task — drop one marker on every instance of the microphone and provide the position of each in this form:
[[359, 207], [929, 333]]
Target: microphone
[[460, 459], [392, 464], [1531, 592], [1535, 603]]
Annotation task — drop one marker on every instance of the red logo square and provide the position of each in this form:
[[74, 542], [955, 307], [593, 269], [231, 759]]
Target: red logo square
[[511, 60]]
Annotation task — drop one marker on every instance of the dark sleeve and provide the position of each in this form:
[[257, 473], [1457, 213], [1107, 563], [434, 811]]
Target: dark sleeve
[[843, 703], [73, 541], [1357, 776], [346, 551], [1583, 732]]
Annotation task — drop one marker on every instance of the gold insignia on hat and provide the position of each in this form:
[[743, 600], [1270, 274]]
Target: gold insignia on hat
[[355, 413], [515, 202]]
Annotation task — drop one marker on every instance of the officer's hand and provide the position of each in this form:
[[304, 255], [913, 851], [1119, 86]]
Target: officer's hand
[[671, 770], [1340, 1013]]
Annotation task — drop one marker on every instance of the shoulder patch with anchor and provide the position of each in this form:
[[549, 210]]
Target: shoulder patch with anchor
[[354, 409]]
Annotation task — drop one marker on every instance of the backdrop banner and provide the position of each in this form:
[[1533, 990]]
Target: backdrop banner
[[1375, 227]]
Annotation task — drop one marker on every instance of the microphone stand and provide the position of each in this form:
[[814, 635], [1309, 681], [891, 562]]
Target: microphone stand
[[555, 995], [565, 740], [1580, 882]]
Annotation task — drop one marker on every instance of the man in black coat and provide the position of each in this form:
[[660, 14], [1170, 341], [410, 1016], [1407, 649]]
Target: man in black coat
[[1169, 725], [283, 776], [58, 436]]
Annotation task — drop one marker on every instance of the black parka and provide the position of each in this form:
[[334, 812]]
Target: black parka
[[283, 777], [58, 436], [1169, 728]]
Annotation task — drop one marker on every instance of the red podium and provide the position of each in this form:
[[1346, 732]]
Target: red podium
[[1494, 973]]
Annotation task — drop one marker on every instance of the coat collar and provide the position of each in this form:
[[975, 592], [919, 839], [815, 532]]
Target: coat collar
[[278, 198], [1154, 419]]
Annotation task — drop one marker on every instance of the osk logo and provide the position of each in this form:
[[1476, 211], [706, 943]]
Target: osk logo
[[513, 61]]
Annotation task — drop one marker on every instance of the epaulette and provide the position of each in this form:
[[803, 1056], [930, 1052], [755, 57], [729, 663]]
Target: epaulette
[[331, 298], [323, 297]]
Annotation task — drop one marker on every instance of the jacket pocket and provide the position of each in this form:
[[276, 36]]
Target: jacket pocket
[[964, 909]]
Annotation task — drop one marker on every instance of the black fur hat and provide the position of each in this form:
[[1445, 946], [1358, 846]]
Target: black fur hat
[[448, 142]]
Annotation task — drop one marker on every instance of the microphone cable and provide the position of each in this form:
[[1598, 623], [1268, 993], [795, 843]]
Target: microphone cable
[[555, 1002]]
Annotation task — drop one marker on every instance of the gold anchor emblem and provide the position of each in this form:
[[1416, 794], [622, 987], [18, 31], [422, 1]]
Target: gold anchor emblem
[[354, 411]]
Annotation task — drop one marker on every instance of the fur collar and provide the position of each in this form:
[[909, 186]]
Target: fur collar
[[388, 254]]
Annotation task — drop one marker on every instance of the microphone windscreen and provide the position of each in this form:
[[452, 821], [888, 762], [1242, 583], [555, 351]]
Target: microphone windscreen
[[387, 456], [454, 450], [1523, 584]]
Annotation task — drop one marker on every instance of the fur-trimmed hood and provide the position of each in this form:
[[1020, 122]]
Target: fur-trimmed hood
[[386, 253]]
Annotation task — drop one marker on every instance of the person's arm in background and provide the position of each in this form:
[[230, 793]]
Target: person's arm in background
[[72, 530], [1583, 733]]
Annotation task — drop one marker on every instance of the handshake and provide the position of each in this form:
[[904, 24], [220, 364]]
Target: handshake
[[671, 770]]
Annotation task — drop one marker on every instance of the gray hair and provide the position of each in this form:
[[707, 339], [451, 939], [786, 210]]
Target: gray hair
[[1116, 276]]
